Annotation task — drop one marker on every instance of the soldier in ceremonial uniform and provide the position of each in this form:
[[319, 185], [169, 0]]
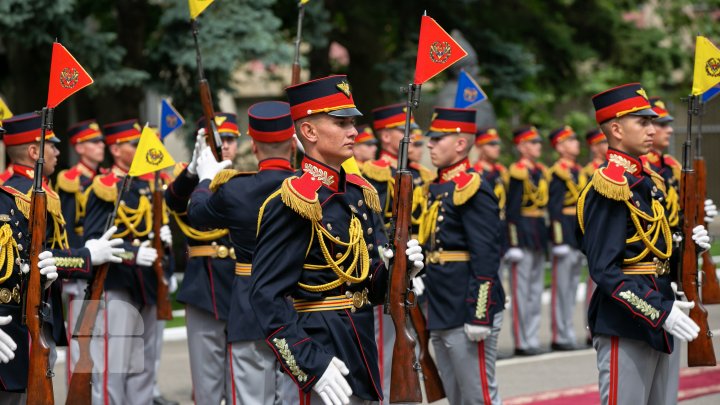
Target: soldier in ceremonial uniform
[[527, 235], [72, 184], [487, 143], [566, 183], [209, 274], [461, 233], [365, 145], [313, 300], [598, 145], [625, 234], [125, 357]]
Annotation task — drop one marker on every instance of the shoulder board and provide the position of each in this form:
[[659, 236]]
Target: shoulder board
[[427, 175], [179, 167], [378, 170], [224, 176], [69, 180], [105, 187], [519, 171], [300, 194], [560, 170], [370, 195], [674, 165], [611, 183], [22, 200], [466, 185]]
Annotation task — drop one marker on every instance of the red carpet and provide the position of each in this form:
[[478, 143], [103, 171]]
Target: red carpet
[[694, 383]]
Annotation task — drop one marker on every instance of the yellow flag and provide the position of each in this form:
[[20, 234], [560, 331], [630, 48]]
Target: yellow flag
[[150, 155], [304, 2], [351, 166], [197, 7], [707, 66], [5, 112]]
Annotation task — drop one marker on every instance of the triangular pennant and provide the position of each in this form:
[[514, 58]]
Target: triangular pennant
[[170, 119], [150, 155], [197, 7], [66, 76], [707, 66], [710, 94], [468, 91], [5, 112], [437, 51]]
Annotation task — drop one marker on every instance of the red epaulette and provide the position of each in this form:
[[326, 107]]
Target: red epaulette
[[377, 170], [300, 195], [671, 161], [466, 185]]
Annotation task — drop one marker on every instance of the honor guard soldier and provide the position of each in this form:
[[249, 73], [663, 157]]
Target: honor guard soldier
[[72, 185], [365, 145], [487, 143], [625, 234], [461, 233], [567, 180], [125, 357], [598, 145], [22, 144], [314, 299], [528, 237]]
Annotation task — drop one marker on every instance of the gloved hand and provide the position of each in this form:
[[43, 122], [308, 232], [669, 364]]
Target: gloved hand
[[680, 325], [7, 345], [418, 286], [514, 255], [332, 387], [477, 333], [679, 294], [146, 255], [173, 284], [710, 211], [207, 166], [561, 250], [415, 255], [701, 238], [104, 250], [166, 235], [199, 142], [47, 267]]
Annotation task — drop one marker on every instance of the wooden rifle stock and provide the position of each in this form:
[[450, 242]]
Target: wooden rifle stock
[[164, 308], [433, 384], [211, 132], [710, 285], [404, 381], [295, 73]]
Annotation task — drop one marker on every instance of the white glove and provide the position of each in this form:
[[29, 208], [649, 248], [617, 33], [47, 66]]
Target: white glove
[[199, 142], [561, 250], [47, 267], [7, 345], [680, 325], [701, 238], [514, 255], [146, 255], [418, 286], [173, 284], [679, 294], [710, 211], [166, 235], [105, 250], [332, 387], [415, 255], [207, 166], [477, 333]]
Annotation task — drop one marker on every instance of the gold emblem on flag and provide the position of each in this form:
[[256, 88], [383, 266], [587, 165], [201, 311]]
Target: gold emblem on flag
[[154, 156], [440, 52], [69, 78], [470, 94], [171, 121], [712, 67], [344, 87]]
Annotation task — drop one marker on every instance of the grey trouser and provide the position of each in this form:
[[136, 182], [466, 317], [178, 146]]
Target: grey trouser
[[13, 398], [385, 339], [526, 282], [124, 356], [290, 394], [254, 374], [207, 343], [565, 280], [632, 372], [74, 305], [588, 295], [467, 368], [158, 354]]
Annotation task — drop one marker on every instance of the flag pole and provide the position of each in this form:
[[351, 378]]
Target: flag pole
[[298, 38]]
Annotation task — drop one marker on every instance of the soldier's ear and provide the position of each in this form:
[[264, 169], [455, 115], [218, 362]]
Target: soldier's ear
[[33, 151], [308, 131]]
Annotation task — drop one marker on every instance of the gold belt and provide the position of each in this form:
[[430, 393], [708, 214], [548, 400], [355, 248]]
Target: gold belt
[[442, 257], [352, 300], [656, 267], [532, 212], [7, 295], [569, 210], [215, 251], [243, 269]]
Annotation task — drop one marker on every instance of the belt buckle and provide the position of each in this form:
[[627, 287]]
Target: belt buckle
[[222, 251], [434, 258], [359, 299], [232, 253], [5, 295], [662, 267]]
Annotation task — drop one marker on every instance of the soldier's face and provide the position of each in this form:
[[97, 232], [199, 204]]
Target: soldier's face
[[123, 153], [531, 149], [93, 151], [391, 138], [489, 151], [415, 151], [444, 150], [661, 139], [599, 149], [364, 151], [634, 134], [569, 148], [229, 148], [332, 138], [51, 154]]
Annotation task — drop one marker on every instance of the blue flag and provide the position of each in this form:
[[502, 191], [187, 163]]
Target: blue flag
[[170, 119], [468, 91], [710, 94]]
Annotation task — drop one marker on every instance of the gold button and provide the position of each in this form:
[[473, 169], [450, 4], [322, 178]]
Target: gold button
[[222, 252], [353, 209], [370, 230], [338, 255], [329, 227], [19, 234], [364, 215], [440, 218], [136, 242], [20, 247], [232, 253], [360, 203], [370, 246]]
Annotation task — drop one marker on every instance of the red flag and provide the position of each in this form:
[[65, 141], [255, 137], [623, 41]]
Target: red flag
[[66, 76], [437, 51]]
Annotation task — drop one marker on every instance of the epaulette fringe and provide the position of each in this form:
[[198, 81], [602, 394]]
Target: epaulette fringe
[[308, 209], [562, 173], [67, 185], [104, 192], [609, 188], [376, 173], [222, 177], [463, 194], [372, 199], [519, 173]]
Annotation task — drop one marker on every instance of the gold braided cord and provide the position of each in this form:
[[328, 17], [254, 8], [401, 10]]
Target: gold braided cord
[[573, 189], [499, 191], [132, 218], [8, 251], [196, 234], [659, 225], [419, 201], [537, 196], [428, 221], [390, 196], [672, 206], [262, 210], [580, 212]]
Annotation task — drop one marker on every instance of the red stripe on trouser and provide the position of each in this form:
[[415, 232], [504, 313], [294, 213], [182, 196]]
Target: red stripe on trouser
[[483, 374], [232, 373], [553, 301], [381, 346], [614, 349], [106, 397], [516, 325]]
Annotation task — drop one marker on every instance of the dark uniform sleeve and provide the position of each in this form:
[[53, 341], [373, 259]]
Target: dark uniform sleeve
[[277, 266], [208, 208], [73, 263], [178, 192], [96, 217], [555, 206], [512, 210]]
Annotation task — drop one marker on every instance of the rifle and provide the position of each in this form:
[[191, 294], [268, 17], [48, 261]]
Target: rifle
[[404, 379], [710, 284], [700, 350], [40, 388], [164, 308], [431, 378], [296, 61], [80, 387], [211, 132]]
